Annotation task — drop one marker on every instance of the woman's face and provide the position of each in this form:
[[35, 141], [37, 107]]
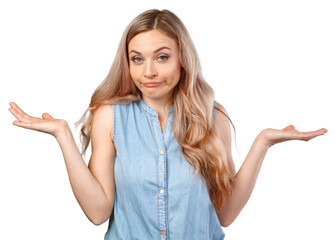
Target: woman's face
[[154, 64]]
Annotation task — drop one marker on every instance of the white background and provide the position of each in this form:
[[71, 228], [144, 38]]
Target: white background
[[271, 64]]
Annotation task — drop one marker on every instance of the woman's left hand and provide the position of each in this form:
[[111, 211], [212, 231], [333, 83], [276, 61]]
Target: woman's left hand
[[271, 136]]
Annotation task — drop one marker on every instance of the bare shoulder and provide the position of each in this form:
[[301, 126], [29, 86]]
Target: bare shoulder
[[221, 120], [103, 149], [223, 127], [103, 120], [219, 106], [104, 111]]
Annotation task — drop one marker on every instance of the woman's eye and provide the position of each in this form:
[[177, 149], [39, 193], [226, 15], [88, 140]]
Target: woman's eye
[[163, 57], [136, 59]]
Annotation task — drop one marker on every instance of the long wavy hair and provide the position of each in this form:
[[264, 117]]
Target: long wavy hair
[[193, 99]]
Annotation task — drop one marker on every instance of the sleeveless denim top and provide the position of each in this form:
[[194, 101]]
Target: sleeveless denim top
[[156, 196]]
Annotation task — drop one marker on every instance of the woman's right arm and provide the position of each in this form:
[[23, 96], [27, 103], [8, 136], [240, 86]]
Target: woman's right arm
[[92, 185]]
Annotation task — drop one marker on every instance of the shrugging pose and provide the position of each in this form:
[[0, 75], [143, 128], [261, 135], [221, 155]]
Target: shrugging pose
[[161, 164]]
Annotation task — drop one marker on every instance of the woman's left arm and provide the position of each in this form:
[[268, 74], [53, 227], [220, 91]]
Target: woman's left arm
[[246, 177]]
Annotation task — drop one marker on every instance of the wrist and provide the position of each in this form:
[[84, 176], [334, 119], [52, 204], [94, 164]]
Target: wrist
[[262, 139], [63, 131]]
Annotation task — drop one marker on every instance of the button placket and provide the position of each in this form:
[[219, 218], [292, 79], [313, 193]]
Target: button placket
[[162, 140], [161, 171]]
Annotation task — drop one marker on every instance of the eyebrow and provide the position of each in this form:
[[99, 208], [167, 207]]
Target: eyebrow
[[157, 50]]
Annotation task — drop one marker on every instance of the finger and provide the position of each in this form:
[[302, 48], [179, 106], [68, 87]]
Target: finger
[[312, 134], [22, 124], [321, 131], [47, 116], [16, 114], [324, 130], [289, 127], [19, 110]]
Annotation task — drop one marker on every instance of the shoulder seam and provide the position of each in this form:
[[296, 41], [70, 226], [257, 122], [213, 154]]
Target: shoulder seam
[[114, 123]]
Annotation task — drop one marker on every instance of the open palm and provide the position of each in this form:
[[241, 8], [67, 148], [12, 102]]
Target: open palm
[[274, 136], [46, 124]]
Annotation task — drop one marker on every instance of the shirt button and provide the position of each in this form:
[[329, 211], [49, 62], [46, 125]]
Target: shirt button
[[162, 191], [163, 233], [161, 152]]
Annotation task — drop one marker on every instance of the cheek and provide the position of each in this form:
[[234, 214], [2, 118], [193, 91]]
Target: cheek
[[133, 73], [172, 71]]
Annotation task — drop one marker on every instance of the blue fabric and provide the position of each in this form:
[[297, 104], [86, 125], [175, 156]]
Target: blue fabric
[[156, 196]]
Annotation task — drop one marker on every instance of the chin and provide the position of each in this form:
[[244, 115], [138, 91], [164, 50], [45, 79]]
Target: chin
[[154, 95]]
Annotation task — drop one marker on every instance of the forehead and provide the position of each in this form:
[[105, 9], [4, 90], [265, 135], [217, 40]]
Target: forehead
[[151, 40]]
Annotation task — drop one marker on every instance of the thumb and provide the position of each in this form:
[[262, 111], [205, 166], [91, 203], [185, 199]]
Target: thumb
[[47, 116], [289, 127]]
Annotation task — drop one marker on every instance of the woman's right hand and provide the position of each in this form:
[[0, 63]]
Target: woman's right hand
[[46, 124]]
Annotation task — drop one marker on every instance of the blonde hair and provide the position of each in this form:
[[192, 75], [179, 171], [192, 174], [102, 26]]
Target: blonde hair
[[193, 100]]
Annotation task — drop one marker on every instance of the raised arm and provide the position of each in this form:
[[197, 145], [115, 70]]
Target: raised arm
[[246, 177], [93, 185]]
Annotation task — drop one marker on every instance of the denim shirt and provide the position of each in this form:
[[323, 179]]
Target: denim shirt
[[156, 196]]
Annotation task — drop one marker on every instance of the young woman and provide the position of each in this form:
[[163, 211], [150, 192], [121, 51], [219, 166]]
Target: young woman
[[161, 165]]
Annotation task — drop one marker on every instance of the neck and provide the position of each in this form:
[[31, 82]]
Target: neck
[[160, 105]]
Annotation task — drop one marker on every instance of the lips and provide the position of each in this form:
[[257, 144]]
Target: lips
[[152, 84]]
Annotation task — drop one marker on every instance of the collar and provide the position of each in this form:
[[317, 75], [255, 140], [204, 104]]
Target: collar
[[153, 112]]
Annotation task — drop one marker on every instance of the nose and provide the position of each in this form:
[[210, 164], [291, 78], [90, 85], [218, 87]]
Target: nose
[[150, 70]]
